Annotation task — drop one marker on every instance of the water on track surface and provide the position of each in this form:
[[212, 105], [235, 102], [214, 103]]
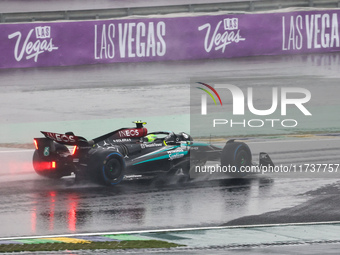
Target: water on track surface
[[34, 99], [31, 205]]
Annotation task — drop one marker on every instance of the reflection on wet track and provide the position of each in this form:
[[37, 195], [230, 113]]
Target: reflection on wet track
[[32, 205], [49, 217]]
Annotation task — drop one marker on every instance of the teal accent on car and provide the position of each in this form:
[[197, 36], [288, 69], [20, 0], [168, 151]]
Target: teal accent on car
[[199, 144], [162, 157], [166, 149], [152, 159]]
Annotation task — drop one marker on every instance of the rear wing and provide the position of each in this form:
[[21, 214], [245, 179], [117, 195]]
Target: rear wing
[[67, 138], [71, 139]]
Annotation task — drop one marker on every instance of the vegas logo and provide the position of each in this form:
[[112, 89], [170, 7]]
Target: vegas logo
[[217, 39], [30, 47]]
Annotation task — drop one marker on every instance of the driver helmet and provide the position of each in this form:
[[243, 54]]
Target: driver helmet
[[150, 138]]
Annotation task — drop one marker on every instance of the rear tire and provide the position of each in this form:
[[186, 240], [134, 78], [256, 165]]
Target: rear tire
[[236, 156], [112, 169]]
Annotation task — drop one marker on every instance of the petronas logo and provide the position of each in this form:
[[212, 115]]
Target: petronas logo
[[47, 151]]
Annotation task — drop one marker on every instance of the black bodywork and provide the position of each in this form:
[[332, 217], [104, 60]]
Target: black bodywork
[[129, 151]]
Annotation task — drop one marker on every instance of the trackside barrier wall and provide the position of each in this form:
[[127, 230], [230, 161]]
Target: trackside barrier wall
[[168, 38]]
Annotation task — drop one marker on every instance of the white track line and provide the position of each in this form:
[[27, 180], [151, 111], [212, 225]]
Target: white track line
[[172, 230]]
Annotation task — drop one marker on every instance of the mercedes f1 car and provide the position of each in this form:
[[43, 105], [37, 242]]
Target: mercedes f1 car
[[134, 151]]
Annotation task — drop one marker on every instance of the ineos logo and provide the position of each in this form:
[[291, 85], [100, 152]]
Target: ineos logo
[[61, 137], [129, 133]]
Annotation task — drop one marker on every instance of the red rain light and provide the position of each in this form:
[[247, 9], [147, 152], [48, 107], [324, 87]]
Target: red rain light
[[42, 166]]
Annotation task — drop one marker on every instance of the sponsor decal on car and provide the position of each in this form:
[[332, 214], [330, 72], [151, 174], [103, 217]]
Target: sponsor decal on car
[[61, 137], [46, 151], [151, 145], [124, 140], [129, 133], [177, 153]]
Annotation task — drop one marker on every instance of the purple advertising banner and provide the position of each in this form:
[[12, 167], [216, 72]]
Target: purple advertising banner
[[175, 38]]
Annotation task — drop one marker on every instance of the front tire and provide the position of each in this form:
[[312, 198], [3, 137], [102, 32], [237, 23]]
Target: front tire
[[236, 157]]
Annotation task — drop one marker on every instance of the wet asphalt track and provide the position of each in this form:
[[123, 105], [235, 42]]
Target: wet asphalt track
[[30, 205]]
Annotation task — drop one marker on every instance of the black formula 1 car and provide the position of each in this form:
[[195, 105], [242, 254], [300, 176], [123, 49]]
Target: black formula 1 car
[[134, 151]]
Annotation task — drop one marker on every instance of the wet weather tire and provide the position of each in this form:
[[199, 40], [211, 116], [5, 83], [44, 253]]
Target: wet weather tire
[[112, 170], [235, 158]]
